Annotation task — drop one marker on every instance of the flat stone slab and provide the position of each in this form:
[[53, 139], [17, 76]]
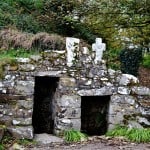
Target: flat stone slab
[[45, 138]]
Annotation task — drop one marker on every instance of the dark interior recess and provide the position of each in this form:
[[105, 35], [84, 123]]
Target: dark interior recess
[[94, 110], [42, 118]]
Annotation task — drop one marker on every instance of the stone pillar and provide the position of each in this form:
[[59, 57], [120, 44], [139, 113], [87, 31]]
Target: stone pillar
[[72, 46], [98, 47]]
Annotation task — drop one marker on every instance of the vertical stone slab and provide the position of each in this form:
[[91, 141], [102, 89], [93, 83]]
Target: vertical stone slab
[[98, 47], [72, 46]]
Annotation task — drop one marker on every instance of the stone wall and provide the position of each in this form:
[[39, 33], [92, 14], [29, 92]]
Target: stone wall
[[80, 74]]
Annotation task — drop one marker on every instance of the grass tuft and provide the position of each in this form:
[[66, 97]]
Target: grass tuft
[[133, 134], [74, 136]]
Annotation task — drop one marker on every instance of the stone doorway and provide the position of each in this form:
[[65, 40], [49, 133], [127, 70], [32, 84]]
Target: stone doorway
[[43, 110], [94, 113]]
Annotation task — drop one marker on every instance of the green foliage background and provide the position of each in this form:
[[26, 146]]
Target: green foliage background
[[118, 22]]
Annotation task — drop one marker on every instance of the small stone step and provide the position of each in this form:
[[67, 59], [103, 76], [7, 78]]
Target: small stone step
[[45, 138]]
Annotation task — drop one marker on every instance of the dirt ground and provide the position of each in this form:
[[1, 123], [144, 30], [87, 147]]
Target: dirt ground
[[144, 76], [94, 144]]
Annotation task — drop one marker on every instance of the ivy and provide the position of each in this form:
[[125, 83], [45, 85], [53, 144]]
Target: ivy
[[130, 60]]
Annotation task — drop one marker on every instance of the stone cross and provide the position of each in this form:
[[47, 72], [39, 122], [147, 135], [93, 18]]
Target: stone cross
[[98, 47], [72, 46]]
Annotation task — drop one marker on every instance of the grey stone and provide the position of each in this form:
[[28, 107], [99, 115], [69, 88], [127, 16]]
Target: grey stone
[[65, 81], [49, 73], [1, 133], [27, 67], [1, 84], [85, 51], [144, 111], [63, 124], [6, 120], [143, 120], [103, 91], [70, 101], [35, 57], [141, 90], [21, 132], [96, 92], [116, 119], [123, 90], [76, 124], [23, 60], [24, 87], [22, 121], [123, 99], [47, 139], [127, 79], [111, 72], [22, 113], [25, 104], [72, 113], [134, 124], [89, 82]]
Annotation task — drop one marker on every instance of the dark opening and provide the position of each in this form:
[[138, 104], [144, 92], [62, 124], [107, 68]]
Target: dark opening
[[42, 118], [94, 110]]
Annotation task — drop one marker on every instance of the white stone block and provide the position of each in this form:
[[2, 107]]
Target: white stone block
[[72, 46]]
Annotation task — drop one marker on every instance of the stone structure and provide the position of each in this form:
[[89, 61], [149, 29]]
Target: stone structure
[[74, 80]]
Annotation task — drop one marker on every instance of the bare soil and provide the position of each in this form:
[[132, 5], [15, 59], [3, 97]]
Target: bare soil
[[144, 76]]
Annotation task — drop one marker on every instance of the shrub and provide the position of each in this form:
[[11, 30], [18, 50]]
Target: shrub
[[11, 38], [48, 41], [112, 58], [14, 39], [130, 61]]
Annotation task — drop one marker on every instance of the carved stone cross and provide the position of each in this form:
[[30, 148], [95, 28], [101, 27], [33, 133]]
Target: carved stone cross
[[98, 47]]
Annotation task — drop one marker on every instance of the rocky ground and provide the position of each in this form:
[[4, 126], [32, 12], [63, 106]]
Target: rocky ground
[[95, 146], [93, 143]]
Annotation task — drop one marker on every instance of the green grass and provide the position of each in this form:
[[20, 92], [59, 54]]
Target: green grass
[[13, 53], [146, 61], [9, 57], [133, 134], [74, 136]]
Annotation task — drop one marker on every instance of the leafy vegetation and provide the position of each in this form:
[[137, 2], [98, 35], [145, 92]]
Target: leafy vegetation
[[26, 142], [117, 22], [146, 61], [8, 141], [74, 136], [133, 134], [86, 19], [112, 57], [130, 60]]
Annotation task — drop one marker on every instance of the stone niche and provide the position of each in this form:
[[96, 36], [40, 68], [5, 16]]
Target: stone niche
[[59, 90]]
